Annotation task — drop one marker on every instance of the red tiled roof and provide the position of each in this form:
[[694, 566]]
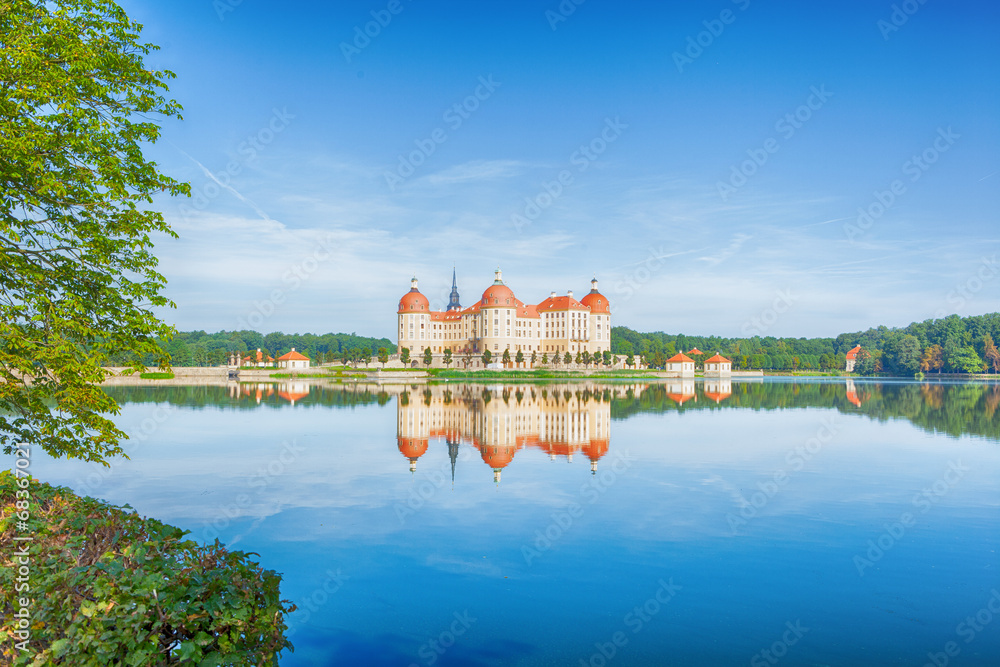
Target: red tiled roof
[[293, 356], [527, 311], [718, 358], [680, 399], [293, 395], [497, 295], [695, 350], [561, 303], [597, 302], [853, 352], [680, 356], [718, 396], [413, 300]]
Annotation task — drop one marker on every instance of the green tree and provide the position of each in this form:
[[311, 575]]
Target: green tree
[[567, 359], [383, 356], [487, 356], [404, 356], [519, 357], [900, 353], [534, 358], [965, 360], [447, 357], [428, 356], [506, 358], [585, 357], [579, 358], [79, 280], [545, 358], [864, 364], [606, 357], [990, 353], [630, 360]]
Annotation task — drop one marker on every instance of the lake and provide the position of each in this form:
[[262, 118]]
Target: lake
[[805, 522]]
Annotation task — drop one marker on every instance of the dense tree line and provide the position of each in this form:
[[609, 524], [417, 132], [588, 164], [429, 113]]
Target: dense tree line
[[953, 408], [765, 352], [203, 396], [951, 345], [197, 348]]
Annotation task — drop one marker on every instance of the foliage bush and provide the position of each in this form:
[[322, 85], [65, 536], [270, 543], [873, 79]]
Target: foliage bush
[[156, 375], [108, 587]]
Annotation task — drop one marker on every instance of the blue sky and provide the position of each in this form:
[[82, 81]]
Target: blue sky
[[706, 162]]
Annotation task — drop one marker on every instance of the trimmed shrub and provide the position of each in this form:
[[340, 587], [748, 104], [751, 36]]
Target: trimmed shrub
[[108, 587]]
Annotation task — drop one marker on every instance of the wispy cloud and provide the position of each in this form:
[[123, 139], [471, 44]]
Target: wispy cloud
[[228, 187], [734, 246]]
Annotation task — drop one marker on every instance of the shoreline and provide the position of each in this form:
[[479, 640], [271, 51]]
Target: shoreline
[[219, 376]]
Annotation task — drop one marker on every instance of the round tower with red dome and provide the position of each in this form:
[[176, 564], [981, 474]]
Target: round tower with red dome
[[412, 449], [600, 317], [414, 314], [498, 312]]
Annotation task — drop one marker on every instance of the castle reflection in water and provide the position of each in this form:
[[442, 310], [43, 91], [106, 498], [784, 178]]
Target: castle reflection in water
[[566, 421], [562, 420]]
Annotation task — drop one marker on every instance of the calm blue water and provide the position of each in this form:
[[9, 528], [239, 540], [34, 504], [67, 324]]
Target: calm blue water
[[681, 524]]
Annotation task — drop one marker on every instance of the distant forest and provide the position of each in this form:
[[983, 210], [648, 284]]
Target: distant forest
[[950, 345], [197, 348]]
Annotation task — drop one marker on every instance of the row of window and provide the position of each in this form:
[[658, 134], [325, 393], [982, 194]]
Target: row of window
[[576, 332]]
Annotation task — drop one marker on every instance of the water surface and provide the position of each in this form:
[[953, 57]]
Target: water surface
[[682, 523]]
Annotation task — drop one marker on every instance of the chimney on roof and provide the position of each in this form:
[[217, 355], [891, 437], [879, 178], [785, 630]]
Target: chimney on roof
[[569, 293], [293, 349], [552, 295]]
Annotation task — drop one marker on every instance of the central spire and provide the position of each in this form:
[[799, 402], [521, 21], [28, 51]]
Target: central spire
[[453, 300], [498, 277]]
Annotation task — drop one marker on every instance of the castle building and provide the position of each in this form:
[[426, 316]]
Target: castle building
[[499, 321], [501, 421]]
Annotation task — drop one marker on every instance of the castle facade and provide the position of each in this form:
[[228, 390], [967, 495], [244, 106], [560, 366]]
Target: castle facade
[[500, 322]]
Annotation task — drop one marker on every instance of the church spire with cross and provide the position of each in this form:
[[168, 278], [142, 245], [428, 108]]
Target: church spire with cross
[[453, 303]]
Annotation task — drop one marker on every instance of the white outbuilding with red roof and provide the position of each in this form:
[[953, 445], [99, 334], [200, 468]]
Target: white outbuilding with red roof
[[293, 361], [680, 365], [718, 366]]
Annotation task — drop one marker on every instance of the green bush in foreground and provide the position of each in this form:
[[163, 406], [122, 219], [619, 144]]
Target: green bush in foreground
[[154, 375], [108, 587]]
